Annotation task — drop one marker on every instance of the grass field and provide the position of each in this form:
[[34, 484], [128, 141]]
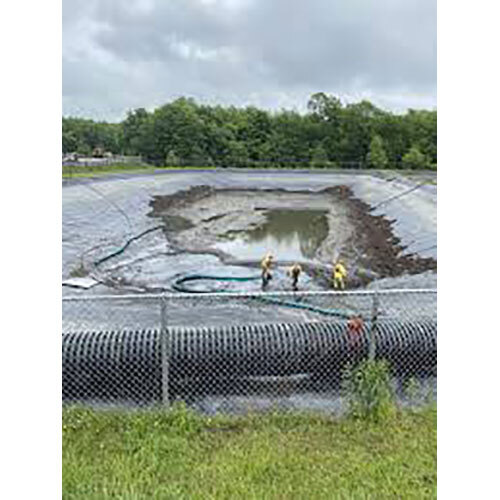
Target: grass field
[[69, 172], [178, 454]]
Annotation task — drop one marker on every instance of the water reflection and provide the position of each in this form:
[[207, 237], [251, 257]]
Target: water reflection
[[289, 234]]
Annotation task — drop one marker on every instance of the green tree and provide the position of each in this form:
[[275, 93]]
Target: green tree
[[324, 123], [421, 130], [137, 134], [329, 133], [288, 143], [355, 132], [235, 155], [326, 108], [319, 157], [179, 126], [414, 159], [69, 142], [376, 157], [172, 160], [253, 128], [391, 128]]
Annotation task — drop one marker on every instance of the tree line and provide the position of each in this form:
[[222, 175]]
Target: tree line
[[330, 134]]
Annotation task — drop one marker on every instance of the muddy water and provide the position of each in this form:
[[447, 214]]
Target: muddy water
[[291, 234]]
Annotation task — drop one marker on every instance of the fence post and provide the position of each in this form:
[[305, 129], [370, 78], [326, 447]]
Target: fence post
[[372, 346], [165, 362]]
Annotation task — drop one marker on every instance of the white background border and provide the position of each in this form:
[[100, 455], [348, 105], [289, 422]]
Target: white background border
[[468, 209]]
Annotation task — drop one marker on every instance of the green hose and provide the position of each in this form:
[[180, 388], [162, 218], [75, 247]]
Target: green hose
[[127, 243], [178, 286]]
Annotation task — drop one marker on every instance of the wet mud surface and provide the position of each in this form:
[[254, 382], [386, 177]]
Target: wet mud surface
[[203, 219]]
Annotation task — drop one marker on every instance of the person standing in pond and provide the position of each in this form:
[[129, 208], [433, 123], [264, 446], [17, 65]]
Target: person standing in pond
[[265, 266], [295, 272], [339, 275]]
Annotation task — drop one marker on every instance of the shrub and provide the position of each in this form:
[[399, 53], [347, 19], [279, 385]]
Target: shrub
[[369, 392], [414, 159], [377, 157]]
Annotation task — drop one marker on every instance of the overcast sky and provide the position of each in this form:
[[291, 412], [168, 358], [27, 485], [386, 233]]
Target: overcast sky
[[121, 55]]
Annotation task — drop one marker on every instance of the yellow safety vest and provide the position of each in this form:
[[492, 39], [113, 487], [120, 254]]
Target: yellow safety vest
[[340, 271]]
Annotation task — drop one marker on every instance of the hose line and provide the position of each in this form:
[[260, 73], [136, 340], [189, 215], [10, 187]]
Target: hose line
[[178, 286], [124, 247]]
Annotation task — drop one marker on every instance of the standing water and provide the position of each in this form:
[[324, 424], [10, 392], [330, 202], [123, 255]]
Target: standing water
[[290, 234]]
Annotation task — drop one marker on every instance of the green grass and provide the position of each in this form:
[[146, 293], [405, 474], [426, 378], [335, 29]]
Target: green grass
[[178, 454], [84, 171], [69, 172]]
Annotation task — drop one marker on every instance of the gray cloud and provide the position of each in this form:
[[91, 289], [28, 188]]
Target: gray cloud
[[269, 53]]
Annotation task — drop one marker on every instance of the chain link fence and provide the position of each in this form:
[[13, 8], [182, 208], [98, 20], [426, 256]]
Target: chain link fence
[[235, 352]]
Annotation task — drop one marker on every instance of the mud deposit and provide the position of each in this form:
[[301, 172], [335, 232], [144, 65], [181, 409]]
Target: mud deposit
[[207, 220]]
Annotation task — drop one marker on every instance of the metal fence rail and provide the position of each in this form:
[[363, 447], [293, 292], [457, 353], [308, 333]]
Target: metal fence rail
[[235, 352]]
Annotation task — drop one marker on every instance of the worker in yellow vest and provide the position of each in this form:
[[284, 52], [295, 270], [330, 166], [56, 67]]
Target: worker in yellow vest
[[339, 275], [295, 271], [265, 266]]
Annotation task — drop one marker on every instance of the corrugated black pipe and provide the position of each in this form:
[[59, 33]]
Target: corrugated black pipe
[[127, 365]]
